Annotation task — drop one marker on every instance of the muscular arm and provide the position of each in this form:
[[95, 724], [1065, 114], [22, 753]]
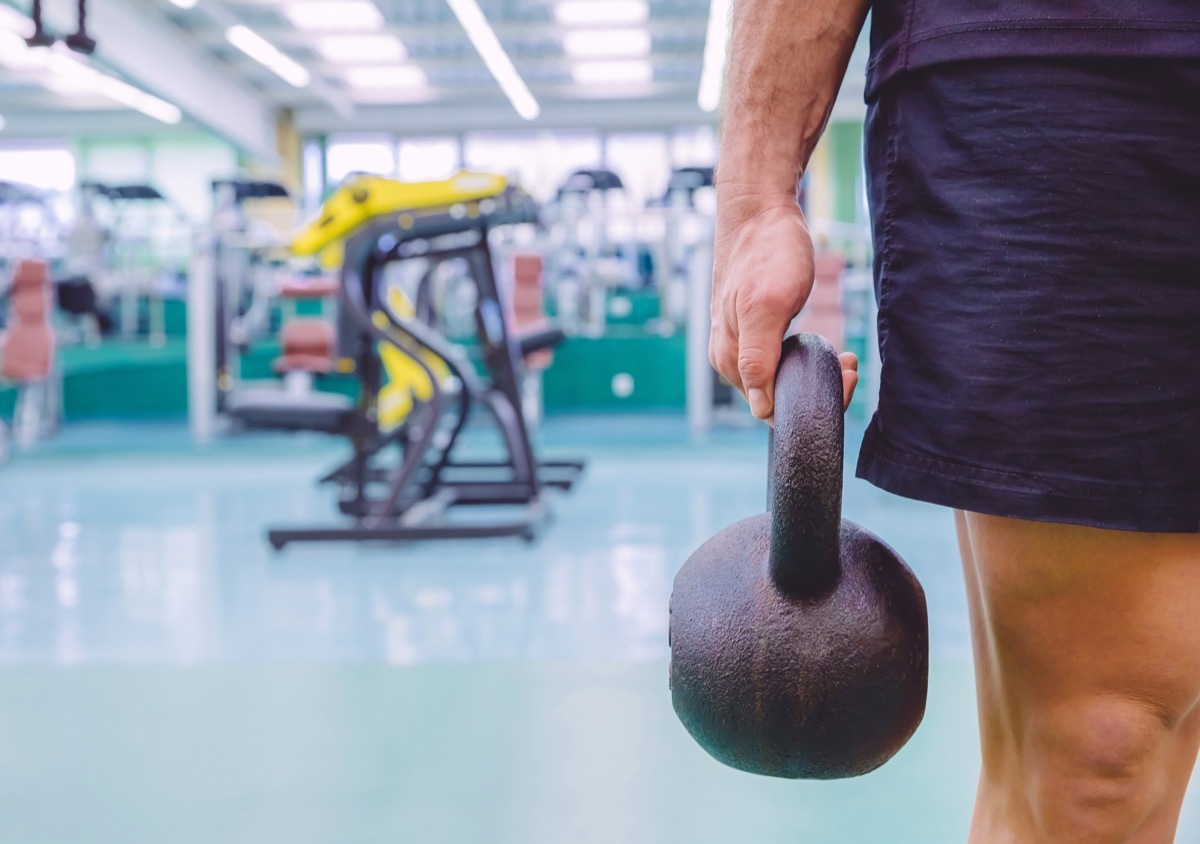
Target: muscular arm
[[786, 63]]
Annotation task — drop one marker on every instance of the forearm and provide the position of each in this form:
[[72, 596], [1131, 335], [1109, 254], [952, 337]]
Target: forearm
[[786, 62]]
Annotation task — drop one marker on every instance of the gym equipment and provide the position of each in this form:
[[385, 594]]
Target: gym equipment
[[308, 344], [529, 315], [29, 225], [823, 312], [389, 223], [799, 641], [591, 181], [129, 260], [363, 197], [689, 207], [76, 297], [409, 381], [29, 352], [237, 254]]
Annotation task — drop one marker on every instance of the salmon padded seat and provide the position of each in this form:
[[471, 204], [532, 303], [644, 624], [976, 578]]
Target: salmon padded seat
[[309, 345]]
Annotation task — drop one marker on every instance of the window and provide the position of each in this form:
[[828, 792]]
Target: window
[[48, 167], [694, 146], [115, 163], [643, 163], [428, 159], [312, 173], [346, 155], [540, 161]]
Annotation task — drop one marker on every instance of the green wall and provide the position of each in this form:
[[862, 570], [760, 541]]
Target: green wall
[[846, 162]]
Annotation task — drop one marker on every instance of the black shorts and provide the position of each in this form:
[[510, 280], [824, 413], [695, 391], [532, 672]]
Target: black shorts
[[1037, 231]]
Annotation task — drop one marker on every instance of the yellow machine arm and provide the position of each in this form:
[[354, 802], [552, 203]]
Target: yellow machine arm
[[359, 200], [362, 198], [407, 380]]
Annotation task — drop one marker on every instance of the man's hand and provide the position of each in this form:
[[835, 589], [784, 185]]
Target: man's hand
[[762, 276]]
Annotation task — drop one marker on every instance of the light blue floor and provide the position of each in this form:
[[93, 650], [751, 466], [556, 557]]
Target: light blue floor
[[164, 676]]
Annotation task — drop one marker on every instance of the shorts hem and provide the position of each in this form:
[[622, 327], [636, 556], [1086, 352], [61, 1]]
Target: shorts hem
[[995, 493]]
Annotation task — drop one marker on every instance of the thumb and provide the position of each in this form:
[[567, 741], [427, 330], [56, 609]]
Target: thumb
[[759, 346]]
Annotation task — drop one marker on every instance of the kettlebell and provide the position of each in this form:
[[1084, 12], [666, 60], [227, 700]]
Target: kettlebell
[[799, 640]]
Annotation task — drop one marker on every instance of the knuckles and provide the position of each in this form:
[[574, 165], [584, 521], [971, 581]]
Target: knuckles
[[755, 365]]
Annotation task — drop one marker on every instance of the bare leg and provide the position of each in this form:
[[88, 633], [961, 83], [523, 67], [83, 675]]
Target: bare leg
[[1087, 655]]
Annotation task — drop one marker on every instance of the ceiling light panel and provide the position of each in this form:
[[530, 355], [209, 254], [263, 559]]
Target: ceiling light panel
[[601, 12], [362, 49], [612, 73], [71, 76], [13, 21], [334, 15], [607, 43], [135, 98], [15, 54], [399, 77], [268, 55]]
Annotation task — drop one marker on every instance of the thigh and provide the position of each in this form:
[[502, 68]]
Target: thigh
[[1066, 613]]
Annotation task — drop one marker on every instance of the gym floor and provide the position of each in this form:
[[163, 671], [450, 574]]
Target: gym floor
[[164, 676]]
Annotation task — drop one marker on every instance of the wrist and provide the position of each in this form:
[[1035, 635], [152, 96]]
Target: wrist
[[738, 185], [739, 203]]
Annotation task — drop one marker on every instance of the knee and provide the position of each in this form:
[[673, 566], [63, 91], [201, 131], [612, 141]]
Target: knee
[[1096, 772]]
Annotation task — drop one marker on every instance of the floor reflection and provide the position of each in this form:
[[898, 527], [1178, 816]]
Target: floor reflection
[[160, 557]]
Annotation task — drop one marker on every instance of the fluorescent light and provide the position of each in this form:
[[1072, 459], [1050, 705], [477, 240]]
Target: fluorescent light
[[400, 77], [13, 21], [360, 49], [601, 12], [334, 15], [15, 54], [612, 73], [607, 43], [713, 75], [138, 99], [484, 38], [185, 4], [70, 76], [268, 55]]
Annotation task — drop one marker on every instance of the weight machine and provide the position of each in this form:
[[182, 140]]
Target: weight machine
[[416, 495]]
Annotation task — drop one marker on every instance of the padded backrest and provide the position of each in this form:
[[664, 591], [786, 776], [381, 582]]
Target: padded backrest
[[28, 353], [823, 313], [829, 267], [319, 287], [30, 305], [309, 345], [527, 288], [29, 342], [528, 303], [308, 336], [31, 273]]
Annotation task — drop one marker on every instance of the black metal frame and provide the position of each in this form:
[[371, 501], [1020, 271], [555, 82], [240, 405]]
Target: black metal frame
[[427, 483]]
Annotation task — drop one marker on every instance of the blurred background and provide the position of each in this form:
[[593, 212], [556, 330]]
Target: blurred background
[[356, 416]]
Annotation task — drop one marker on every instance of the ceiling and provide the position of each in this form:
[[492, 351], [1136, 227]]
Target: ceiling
[[409, 66], [438, 46]]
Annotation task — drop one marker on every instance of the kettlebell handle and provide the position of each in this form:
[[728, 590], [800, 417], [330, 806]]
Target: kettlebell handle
[[805, 481]]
